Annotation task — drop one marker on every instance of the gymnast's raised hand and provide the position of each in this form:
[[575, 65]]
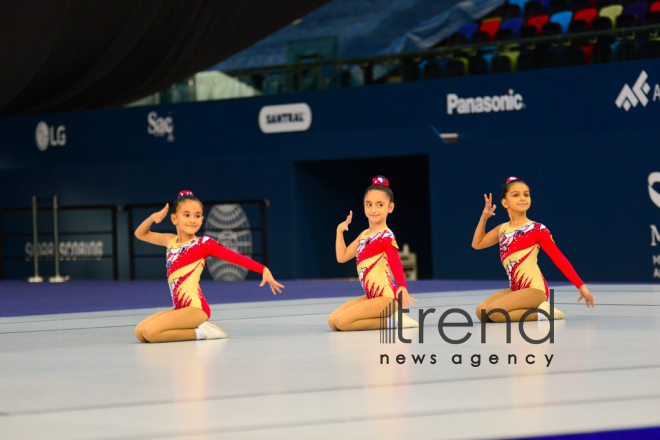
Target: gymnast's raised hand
[[343, 226]]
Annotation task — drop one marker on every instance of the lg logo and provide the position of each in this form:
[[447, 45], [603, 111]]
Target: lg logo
[[48, 136]]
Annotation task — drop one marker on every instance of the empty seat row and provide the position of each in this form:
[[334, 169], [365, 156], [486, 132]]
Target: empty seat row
[[548, 58], [561, 23], [529, 8]]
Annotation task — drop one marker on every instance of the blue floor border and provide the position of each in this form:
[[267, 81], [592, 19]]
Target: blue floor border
[[18, 298], [651, 433]]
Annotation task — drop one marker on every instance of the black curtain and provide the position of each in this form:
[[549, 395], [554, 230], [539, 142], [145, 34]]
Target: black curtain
[[63, 55]]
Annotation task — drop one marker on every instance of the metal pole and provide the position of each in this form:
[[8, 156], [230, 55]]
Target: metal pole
[[35, 249], [56, 239], [2, 258], [131, 243], [115, 258], [264, 239]]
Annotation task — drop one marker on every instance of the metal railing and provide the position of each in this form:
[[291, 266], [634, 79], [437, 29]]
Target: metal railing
[[330, 74], [113, 232]]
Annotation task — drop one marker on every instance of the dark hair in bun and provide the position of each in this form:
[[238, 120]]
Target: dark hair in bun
[[509, 182], [183, 197], [380, 183]]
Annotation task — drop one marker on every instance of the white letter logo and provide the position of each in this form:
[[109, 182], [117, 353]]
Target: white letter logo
[[631, 97], [285, 118], [48, 136], [484, 104], [41, 136], [655, 196], [159, 127]]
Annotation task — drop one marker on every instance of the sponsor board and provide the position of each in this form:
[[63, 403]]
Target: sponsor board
[[285, 118]]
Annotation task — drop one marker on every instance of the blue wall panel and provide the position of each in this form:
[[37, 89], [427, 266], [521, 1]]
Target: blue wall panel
[[587, 162]]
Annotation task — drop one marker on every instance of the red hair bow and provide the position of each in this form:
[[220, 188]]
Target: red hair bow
[[380, 181], [511, 179], [185, 193]]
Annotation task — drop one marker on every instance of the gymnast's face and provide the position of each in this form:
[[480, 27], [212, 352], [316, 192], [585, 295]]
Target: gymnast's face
[[518, 198], [376, 206], [188, 217]]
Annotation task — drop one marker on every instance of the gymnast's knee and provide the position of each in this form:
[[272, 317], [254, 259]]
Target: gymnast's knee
[[340, 324], [331, 322], [494, 316], [138, 334], [480, 310], [149, 334]]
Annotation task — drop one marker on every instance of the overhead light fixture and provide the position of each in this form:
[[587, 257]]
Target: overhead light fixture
[[447, 138], [450, 138]]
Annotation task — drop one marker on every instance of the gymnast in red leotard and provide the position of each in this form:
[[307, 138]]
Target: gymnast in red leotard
[[186, 257], [520, 240], [378, 266]]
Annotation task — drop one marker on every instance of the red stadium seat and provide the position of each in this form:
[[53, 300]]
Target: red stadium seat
[[586, 14], [538, 22], [491, 27], [587, 52]]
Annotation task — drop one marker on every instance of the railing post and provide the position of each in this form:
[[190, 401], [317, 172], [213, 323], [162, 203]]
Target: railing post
[[35, 247], [2, 255], [115, 257], [264, 239], [131, 244], [56, 242]]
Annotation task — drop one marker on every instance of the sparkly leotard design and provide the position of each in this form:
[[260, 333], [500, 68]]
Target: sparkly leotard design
[[519, 248], [378, 264], [185, 262]]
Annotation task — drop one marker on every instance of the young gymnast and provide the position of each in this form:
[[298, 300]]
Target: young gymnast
[[519, 240], [378, 266], [186, 257]]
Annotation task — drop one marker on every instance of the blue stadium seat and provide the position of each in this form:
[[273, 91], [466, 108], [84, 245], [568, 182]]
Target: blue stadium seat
[[514, 24], [564, 19], [468, 30]]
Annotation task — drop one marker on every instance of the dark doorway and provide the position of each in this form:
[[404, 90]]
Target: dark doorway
[[326, 192]]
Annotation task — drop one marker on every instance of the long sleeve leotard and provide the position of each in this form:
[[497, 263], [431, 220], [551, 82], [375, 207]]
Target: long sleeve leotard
[[378, 264], [185, 262], [519, 248]]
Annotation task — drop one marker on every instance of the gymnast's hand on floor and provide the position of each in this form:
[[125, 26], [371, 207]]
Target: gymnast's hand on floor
[[160, 215], [268, 278], [588, 297], [405, 298], [343, 226]]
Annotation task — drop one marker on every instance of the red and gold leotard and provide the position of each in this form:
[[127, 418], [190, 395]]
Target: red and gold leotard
[[378, 264], [519, 248], [185, 262]]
